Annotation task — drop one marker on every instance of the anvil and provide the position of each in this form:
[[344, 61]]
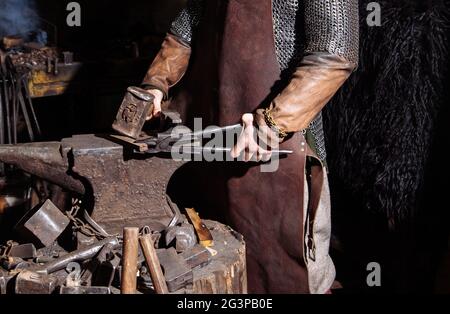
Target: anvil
[[118, 188]]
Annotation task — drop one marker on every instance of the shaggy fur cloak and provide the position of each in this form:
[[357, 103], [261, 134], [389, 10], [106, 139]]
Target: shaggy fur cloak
[[384, 141]]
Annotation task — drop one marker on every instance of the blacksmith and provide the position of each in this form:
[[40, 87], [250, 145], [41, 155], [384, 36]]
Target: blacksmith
[[274, 65]]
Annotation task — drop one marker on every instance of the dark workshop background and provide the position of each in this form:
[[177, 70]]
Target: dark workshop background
[[104, 44], [387, 129]]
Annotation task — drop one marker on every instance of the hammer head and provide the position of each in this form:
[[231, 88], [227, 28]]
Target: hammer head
[[133, 112]]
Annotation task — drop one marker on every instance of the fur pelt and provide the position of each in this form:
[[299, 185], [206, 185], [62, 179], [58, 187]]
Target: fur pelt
[[380, 126]]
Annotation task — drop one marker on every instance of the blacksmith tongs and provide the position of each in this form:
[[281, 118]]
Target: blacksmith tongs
[[191, 142]]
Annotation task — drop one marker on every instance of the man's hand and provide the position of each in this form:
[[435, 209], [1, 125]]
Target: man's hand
[[248, 141], [156, 109]]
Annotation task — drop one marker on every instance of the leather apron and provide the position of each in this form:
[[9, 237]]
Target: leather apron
[[234, 70]]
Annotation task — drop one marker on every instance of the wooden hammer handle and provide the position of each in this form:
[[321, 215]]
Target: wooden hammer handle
[[129, 261], [159, 281]]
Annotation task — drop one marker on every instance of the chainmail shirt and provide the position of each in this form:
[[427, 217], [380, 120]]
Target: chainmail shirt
[[300, 27]]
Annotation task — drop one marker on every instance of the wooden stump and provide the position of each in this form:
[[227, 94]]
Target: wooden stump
[[227, 272]]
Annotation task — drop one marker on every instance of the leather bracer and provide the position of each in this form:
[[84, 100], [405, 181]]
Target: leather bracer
[[169, 66], [313, 84]]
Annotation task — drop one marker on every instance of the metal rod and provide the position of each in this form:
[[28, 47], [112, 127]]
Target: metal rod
[[8, 113], [2, 165], [11, 114], [77, 256], [5, 93], [25, 115], [227, 150], [30, 103], [214, 130], [15, 109], [56, 69]]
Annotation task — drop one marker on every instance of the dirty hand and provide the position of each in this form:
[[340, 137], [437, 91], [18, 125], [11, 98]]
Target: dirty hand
[[248, 142], [156, 108]]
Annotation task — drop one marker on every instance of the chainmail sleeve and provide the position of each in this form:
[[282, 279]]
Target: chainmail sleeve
[[332, 26], [188, 19]]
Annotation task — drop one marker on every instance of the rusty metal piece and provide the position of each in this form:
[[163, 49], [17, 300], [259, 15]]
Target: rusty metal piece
[[10, 263], [12, 41], [123, 190], [177, 216], [55, 67], [68, 57], [198, 256], [133, 112], [84, 240], [44, 259], [29, 282], [104, 276], [176, 271], [45, 225], [85, 290], [6, 279], [3, 284], [128, 141], [74, 277], [77, 256], [49, 64], [95, 225], [25, 251], [4, 249], [182, 237], [94, 265]]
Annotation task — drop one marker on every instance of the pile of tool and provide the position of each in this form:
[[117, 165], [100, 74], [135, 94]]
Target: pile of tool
[[137, 261], [15, 101], [32, 57]]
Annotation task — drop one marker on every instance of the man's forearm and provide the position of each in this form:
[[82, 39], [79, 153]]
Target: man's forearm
[[313, 84], [169, 66], [331, 54]]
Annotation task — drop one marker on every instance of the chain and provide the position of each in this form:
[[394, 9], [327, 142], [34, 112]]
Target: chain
[[90, 231], [79, 224]]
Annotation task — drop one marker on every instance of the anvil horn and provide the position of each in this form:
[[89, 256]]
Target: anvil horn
[[45, 160]]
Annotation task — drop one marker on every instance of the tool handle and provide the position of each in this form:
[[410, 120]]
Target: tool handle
[[159, 281], [130, 260], [203, 233]]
